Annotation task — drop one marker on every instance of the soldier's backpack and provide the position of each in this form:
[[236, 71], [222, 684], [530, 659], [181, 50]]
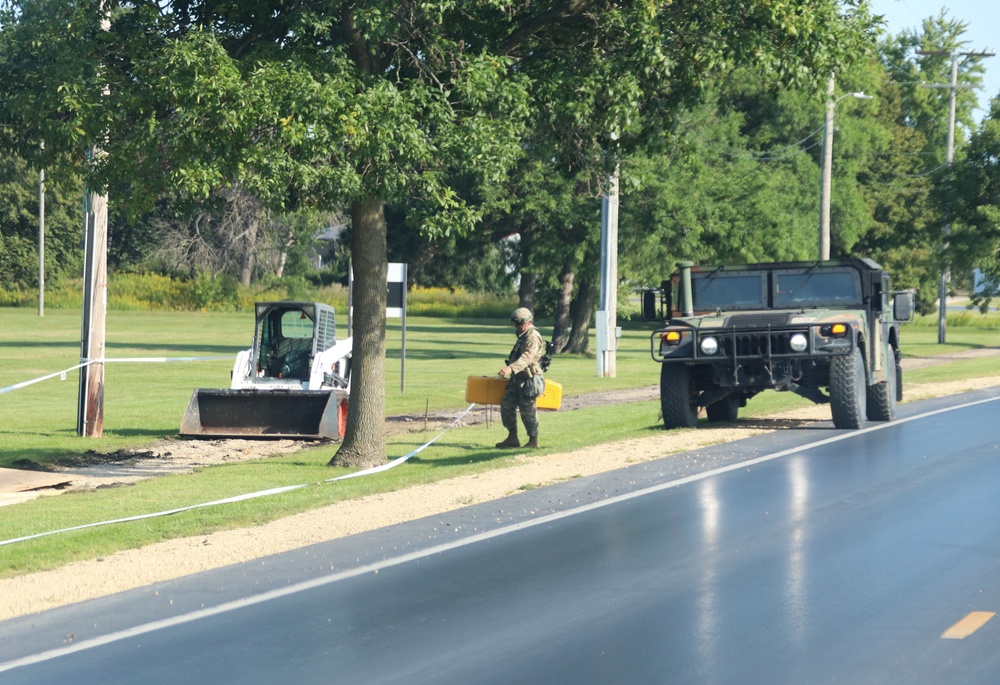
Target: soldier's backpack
[[546, 359]]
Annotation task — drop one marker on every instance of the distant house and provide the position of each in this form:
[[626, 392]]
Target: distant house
[[978, 281], [324, 239]]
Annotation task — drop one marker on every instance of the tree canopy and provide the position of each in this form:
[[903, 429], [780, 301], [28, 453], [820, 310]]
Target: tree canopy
[[363, 104]]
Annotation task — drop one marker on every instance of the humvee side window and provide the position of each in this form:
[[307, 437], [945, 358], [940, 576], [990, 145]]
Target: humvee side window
[[715, 290], [814, 288]]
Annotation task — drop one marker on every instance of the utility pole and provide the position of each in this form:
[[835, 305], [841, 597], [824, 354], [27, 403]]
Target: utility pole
[[41, 240], [826, 184], [950, 157], [607, 312], [90, 407], [90, 411]]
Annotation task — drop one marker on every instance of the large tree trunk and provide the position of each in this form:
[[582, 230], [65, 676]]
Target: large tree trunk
[[364, 441], [582, 312], [560, 331], [248, 248], [528, 282], [526, 291], [243, 223]]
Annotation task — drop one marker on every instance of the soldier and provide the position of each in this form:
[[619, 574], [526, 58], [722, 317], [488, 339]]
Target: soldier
[[522, 365]]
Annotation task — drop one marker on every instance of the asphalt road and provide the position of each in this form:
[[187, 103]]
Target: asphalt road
[[807, 556]]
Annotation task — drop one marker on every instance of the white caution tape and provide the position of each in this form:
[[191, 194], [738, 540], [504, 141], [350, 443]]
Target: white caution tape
[[88, 362], [253, 495], [159, 359], [61, 374]]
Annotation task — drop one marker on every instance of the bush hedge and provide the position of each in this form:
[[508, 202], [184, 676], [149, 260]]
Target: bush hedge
[[205, 292]]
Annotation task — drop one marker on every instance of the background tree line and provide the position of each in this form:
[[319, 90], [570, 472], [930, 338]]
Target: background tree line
[[736, 182]]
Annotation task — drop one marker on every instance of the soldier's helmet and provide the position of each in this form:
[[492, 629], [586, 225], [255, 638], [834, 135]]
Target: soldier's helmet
[[522, 315]]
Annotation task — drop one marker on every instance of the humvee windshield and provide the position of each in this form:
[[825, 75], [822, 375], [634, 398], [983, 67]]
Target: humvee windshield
[[716, 290], [814, 288]]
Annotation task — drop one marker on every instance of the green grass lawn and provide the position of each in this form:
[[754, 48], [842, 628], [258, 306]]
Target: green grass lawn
[[144, 403]]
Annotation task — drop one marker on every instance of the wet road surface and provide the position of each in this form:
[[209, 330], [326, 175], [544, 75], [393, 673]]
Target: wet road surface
[[806, 556]]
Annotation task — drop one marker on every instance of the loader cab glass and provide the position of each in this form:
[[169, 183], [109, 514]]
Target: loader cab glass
[[286, 341]]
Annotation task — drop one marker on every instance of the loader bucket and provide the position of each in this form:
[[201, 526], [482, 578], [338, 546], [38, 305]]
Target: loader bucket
[[296, 414]]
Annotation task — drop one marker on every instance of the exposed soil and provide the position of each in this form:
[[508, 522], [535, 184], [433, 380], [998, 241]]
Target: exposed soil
[[174, 558]]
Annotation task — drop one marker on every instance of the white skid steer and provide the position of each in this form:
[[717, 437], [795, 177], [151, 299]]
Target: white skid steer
[[293, 383]]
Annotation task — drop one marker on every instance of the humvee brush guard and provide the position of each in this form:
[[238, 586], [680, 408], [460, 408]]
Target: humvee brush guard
[[828, 331]]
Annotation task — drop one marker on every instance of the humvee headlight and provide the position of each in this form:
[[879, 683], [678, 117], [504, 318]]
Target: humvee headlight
[[671, 338], [798, 342], [709, 346]]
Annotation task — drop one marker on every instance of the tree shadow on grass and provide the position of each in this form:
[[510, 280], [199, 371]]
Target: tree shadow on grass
[[478, 454]]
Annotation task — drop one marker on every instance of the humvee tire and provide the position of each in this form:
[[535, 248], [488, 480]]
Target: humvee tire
[[882, 396], [675, 397], [725, 410], [848, 393]]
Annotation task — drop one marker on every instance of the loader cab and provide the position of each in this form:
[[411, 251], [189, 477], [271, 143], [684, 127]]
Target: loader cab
[[288, 335]]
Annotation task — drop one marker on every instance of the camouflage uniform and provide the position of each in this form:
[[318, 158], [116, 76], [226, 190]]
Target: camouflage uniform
[[523, 362]]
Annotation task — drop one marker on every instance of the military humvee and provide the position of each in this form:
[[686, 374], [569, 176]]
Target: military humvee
[[828, 331]]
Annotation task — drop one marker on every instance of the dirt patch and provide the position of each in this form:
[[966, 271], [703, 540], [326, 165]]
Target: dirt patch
[[171, 456], [174, 558]]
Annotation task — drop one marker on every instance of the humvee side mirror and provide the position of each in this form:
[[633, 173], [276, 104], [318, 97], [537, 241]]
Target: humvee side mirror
[[902, 306], [649, 309]]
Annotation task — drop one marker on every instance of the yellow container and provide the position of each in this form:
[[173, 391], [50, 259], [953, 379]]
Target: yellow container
[[490, 390], [484, 389], [552, 397]]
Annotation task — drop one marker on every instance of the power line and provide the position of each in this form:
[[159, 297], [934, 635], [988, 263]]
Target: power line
[[762, 155]]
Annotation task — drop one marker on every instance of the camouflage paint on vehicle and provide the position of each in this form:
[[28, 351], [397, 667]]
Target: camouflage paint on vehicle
[[828, 331]]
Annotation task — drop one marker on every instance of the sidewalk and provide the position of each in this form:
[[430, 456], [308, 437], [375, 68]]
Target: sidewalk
[[17, 485]]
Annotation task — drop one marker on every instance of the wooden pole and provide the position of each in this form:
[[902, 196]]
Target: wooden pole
[[90, 410]]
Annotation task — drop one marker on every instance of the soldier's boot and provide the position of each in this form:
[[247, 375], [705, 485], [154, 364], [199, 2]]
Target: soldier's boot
[[532, 442], [511, 440]]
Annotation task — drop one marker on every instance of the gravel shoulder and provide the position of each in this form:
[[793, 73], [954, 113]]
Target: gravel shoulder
[[131, 569]]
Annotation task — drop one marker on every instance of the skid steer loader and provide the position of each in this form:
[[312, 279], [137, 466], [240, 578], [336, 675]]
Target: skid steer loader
[[293, 383]]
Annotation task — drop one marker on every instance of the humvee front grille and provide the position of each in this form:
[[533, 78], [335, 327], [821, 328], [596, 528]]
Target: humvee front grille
[[763, 344], [757, 319]]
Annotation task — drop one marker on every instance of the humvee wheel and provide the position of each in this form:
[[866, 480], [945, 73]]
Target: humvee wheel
[[882, 396], [847, 390], [676, 397], [726, 409]]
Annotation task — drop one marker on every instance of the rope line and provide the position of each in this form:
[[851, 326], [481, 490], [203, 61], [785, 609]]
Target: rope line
[[88, 362]]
